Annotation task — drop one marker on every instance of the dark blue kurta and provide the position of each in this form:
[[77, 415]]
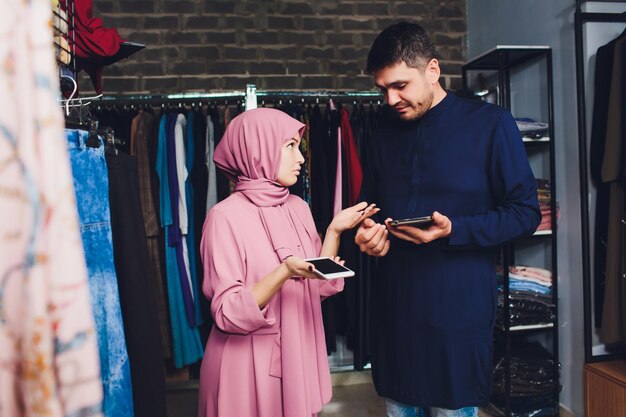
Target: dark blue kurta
[[433, 305]]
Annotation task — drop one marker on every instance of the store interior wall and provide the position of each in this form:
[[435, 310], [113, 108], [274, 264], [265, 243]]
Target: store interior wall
[[217, 45], [537, 22]]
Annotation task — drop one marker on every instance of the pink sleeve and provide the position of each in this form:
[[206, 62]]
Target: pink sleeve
[[330, 287], [233, 307]]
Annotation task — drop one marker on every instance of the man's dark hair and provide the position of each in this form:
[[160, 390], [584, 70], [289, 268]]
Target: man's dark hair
[[402, 42]]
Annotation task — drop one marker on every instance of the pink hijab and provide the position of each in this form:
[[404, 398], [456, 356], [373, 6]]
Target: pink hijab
[[249, 153]]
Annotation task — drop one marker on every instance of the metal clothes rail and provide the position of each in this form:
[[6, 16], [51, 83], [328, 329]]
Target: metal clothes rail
[[179, 98], [250, 97]]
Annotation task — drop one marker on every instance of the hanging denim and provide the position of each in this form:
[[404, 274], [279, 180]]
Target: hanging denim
[[92, 196]]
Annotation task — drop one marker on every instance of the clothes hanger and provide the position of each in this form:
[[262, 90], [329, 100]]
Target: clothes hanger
[[75, 88], [93, 141], [112, 141]]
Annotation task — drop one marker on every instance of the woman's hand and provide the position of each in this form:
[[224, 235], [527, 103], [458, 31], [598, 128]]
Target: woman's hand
[[298, 267], [351, 217]]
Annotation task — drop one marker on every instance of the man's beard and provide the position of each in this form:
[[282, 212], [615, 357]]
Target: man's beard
[[417, 113]]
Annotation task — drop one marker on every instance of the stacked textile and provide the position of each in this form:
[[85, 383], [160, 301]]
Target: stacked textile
[[530, 296], [533, 381], [544, 195], [530, 128]]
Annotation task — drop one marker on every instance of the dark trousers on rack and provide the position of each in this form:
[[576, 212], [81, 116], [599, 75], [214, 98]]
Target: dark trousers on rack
[[136, 285]]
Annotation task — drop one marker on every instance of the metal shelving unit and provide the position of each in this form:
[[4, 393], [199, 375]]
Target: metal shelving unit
[[496, 69]]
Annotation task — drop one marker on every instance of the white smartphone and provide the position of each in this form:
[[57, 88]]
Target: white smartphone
[[328, 269]]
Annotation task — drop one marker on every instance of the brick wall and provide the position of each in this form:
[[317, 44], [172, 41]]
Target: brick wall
[[213, 45]]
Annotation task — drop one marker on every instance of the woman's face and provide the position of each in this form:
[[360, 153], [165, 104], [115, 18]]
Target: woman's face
[[290, 160]]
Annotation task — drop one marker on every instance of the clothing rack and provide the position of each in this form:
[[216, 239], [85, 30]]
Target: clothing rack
[[249, 97], [302, 96], [580, 18], [181, 99]]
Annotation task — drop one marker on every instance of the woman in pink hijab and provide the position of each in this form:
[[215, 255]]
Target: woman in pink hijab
[[266, 354]]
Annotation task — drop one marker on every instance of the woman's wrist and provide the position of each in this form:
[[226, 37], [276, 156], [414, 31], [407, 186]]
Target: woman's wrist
[[284, 270], [333, 232]]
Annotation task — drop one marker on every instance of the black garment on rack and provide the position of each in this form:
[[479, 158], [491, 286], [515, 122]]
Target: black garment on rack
[[602, 89], [320, 184], [119, 119], [199, 181], [334, 309], [604, 67], [135, 282], [223, 184], [300, 188]]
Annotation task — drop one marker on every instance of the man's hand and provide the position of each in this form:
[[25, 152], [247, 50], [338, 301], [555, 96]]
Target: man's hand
[[441, 227], [372, 238]]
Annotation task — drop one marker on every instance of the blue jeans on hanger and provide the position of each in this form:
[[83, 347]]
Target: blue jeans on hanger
[[91, 186], [395, 409]]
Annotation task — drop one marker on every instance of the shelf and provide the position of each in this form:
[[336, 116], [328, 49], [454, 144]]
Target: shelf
[[544, 139], [507, 55], [543, 233], [527, 327], [126, 49]]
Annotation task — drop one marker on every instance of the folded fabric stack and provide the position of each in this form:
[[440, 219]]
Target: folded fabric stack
[[530, 296], [533, 381], [544, 195], [60, 25], [530, 128]]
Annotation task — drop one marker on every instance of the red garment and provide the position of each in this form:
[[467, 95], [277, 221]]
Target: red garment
[[91, 40], [355, 172]]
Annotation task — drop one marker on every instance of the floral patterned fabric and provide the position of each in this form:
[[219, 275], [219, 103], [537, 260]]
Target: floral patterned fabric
[[48, 353]]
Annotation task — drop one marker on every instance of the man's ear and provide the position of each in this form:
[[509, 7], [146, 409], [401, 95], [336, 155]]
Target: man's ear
[[432, 71]]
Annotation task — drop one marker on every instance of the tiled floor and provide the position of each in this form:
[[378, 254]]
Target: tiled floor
[[358, 400], [353, 396]]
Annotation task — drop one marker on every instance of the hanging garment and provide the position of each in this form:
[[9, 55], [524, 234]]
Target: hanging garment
[[91, 186], [181, 171], [190, 238], [219, 125], [186, 346], [323, 160], [613, 330], [602, 89], [48, 347], [176, 238], [211, 196], [136, 287], [141, 137], [338, 195], [353, 164]]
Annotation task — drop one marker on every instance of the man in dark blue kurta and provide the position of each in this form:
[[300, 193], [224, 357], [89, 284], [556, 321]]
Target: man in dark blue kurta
[[434, 295]]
